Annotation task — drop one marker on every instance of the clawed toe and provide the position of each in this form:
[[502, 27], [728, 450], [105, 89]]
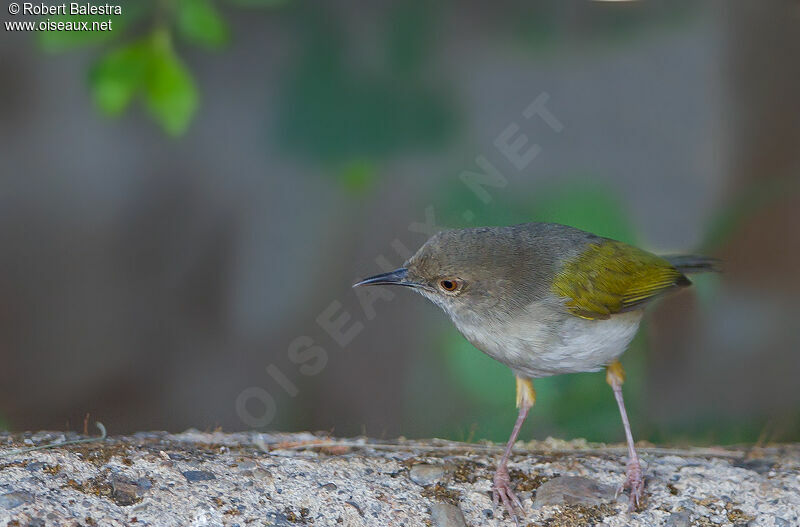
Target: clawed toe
[[634, 482], [501, 492]]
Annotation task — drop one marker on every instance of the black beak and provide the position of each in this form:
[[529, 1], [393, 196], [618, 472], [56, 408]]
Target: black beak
[[396, 277]]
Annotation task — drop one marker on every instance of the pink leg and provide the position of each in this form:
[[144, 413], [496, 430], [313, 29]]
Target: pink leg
[[634, 481], [501, 490]]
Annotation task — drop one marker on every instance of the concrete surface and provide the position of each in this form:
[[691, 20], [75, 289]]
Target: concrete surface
[[243, 479]]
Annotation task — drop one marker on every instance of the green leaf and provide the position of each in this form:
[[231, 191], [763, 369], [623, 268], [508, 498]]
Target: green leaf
[[200, 23], [148, 67], [117, 77], [357, 175], [170, 93]]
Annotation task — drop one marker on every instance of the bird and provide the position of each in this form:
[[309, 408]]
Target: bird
[[544, 299]]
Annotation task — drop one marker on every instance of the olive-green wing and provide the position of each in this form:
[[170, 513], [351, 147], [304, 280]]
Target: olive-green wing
[[612, 277]]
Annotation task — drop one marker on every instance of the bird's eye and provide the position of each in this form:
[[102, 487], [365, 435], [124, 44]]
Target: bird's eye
[[449, 285]]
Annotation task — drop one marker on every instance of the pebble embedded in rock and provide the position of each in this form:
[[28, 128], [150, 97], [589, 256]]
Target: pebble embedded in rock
[[424, 474], [124, 491], [679, 519], [446, 515], [573, 490], [262, 473], [198, 475], [759, 466], [11, 500], [278, 519]]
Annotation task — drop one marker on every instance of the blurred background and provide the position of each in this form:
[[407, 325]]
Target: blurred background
[[186, 200]]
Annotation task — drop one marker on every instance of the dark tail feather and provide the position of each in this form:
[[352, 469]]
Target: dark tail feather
[[694, 264]]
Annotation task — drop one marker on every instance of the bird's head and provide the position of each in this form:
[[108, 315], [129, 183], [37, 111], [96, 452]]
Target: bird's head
[[468, 273]]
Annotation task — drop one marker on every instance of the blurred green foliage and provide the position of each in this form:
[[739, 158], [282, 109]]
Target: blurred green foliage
[[147, 66], [200, 23], [169, 90], [538, 24], [344, 114], [331, 111], [357, 175]]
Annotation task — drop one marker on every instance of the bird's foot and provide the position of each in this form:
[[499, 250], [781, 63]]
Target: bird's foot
[[501, 492], [634, 482]]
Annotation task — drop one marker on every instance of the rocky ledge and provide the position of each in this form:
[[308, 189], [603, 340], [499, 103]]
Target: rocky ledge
[[243, 479]]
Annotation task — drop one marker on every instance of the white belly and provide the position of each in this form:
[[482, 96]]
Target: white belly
[[538, 347], [586, 345]]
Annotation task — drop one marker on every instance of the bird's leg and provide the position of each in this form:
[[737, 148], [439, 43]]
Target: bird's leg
[[501, 490], [634, 481]]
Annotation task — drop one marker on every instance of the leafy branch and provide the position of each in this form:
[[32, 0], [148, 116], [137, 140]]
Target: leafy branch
[[146, 66]]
